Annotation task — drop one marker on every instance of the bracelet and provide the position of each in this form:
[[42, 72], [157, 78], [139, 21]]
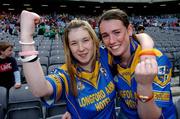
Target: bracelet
[[147, 52], [31, 58], [145, 99], [24, 43], [28, 53]]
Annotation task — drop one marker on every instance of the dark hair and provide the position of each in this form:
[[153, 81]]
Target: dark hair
[[116, 14], [140, 27]]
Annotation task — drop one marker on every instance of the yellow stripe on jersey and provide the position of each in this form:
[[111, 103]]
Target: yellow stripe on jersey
[[90, 77], [64, 67], [126, 73], [164, 82], [163, 96], [58, 85], [110, 59]]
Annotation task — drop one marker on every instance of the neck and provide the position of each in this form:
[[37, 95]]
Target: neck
[[88, 67], [126, 58]]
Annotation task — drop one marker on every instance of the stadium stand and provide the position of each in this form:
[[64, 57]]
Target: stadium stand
[[56, 59], [44, 60], [177, 104], [33, 112], [3, 102], [22, 101], [57, 109]]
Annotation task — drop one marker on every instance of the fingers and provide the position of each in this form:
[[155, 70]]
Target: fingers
[[31, 15], [67, 115], [17, 85], [146, 71], [28, 20], [144, 57], [147, 66], [154, 66]]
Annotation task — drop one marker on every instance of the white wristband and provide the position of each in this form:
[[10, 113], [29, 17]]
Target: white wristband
[[28, 58], [24, 43]]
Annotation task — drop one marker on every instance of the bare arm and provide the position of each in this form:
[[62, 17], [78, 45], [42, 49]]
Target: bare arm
[[146, 42], [145, 73], [32, 70]]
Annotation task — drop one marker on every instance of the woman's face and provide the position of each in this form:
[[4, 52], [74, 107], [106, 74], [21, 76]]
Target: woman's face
[[115, 36], [81, 46]]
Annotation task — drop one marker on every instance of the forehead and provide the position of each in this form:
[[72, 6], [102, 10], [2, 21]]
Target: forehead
[[78, 33], [107, 25]]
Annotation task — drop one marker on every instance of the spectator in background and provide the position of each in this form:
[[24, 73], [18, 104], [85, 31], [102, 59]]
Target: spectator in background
[[140, 29], [9, 72], [8, 29], [42, 29]]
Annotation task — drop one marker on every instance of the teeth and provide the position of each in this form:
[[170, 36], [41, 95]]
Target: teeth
[[115, 47], [82, 55]]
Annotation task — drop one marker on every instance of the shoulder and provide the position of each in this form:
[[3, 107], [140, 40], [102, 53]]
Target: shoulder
[[162, 59]]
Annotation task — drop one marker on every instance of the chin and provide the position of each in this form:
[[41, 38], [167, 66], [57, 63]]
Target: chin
[[116, 53]]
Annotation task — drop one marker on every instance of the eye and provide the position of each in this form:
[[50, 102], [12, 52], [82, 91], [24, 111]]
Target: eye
[[73, 43], [117, 33], [86, 39], [104, 36]]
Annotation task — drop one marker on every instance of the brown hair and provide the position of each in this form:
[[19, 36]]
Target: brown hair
[[4, 45], [115, 14], [70, 60]]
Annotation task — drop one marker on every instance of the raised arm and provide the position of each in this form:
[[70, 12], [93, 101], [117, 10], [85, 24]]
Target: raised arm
[[31, 65], [145, 73]]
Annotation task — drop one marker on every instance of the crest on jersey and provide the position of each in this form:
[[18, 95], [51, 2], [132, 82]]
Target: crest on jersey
[[162, 70], [163, 76]]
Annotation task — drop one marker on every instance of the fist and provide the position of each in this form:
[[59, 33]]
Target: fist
[[146, 71], [27, 23], [17, 85]]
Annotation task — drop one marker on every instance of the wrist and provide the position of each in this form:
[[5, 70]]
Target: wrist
[[144, 98], [144, 89], [26, 38]]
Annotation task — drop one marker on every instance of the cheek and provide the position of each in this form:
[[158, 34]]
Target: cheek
[[72, 50], [106, 42]]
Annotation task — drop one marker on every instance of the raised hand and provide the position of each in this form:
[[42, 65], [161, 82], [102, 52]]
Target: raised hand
[[17, 85], [27, 22], [146, 71], [66, 115]]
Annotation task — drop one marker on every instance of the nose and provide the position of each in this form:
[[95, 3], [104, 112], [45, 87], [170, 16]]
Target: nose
[[81, 47], [112, 39]]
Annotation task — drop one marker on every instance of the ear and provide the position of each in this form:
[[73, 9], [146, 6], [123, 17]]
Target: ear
[[130, 29]]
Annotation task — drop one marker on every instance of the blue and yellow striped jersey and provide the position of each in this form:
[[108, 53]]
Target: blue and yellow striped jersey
[[127, 86], [96, 90]]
